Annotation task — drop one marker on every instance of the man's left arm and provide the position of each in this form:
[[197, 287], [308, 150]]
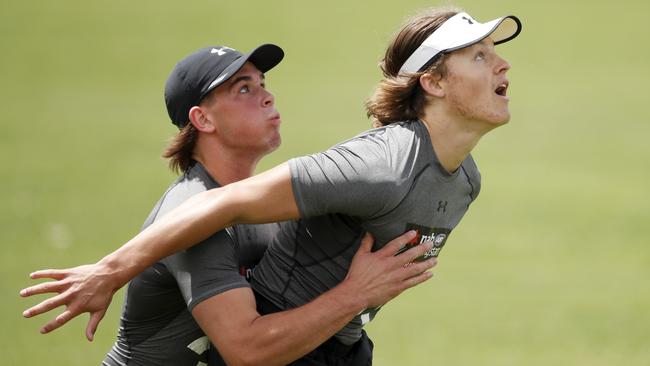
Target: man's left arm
[[244, 337]]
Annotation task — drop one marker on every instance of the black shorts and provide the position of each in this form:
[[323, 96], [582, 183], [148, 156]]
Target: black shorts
[[332, 352]]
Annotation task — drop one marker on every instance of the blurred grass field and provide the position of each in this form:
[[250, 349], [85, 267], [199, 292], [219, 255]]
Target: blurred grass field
[[551, 266]]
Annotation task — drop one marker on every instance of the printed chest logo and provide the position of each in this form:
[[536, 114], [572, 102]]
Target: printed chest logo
[[436, 235]]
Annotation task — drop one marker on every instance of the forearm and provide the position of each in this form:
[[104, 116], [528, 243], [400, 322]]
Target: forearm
[[280, 338], [183, 227], [264, 198], [244, 337]]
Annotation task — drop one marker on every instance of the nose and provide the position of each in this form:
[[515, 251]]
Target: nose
[[268, 100], [502, 66]]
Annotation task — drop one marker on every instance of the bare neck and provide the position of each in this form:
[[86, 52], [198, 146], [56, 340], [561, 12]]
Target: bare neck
[[452, 137], [223, 164]]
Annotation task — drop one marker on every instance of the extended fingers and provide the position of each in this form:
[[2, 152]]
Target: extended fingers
[[366, 243], [93, 322], [415, 268], [55, 274], [414, 253], [416, 280], [45, 306], [58, 321], [396, 244], [43, 288]]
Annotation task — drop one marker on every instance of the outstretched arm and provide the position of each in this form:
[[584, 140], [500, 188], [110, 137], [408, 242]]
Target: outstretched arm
[[263, 198], [267, 197], [244, 337]]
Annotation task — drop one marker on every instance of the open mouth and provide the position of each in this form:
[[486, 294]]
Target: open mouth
[[502, 89]]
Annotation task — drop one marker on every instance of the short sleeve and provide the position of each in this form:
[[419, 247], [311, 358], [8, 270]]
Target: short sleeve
[[207, 269], [354, 178]]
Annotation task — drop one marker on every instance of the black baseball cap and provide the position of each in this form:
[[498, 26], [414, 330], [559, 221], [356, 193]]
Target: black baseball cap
[[202, 71]]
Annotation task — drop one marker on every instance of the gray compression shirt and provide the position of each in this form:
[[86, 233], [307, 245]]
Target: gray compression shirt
[[385, 181], [156, 326]]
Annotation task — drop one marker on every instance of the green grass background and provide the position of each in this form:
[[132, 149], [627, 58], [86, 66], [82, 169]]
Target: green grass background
[[550, 266]]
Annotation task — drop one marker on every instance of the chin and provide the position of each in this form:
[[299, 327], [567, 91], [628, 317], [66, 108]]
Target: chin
[[275, 143], [500, 118], [494, 121], [504, 120]]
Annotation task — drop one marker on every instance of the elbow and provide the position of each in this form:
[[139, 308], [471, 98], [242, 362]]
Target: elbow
[[247, 357], [251, 352]]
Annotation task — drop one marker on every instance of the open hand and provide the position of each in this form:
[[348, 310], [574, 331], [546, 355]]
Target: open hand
[[380, 276], [82, 289]]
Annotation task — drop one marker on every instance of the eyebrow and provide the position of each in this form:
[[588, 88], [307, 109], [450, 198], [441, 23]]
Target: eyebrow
[[245, 78], [482, 45]]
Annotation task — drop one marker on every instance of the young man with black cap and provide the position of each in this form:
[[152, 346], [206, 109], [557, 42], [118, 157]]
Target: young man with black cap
[[228, 122]]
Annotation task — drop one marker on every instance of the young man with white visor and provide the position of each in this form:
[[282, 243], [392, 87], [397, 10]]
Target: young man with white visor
[[444, 87]]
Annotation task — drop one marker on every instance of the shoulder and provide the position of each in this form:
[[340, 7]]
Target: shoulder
[[471, 170], [403, 149], [348, 178], [473, 175], [388, 138], [398, 143], [193, 181], [376, 151]]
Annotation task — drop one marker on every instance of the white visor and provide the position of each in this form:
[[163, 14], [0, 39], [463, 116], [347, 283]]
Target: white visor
[[457, 32]]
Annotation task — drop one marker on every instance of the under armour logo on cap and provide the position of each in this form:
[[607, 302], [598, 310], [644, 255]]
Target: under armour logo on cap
[[220, 51]]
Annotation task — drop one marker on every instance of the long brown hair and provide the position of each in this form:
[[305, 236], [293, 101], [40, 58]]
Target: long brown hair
[[399, 97], [180, 149]]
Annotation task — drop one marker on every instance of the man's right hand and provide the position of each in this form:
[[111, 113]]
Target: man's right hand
[[380, 276]]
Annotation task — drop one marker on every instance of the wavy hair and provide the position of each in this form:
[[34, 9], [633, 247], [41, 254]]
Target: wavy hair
[[399, 97], [180, 149]]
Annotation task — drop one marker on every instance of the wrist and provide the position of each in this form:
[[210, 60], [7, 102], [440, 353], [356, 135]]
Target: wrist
[[114, 271], [349, 298]]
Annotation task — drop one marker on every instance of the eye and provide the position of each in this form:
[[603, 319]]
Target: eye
[[244, 89], [480, 56]]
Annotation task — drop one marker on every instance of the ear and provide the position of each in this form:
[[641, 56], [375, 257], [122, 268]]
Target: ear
[[432, 84], [200, 120]]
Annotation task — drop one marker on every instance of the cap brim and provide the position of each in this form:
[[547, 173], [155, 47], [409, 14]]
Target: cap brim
[[458, 32], [264, 57], [501, 30], [506, 29]]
